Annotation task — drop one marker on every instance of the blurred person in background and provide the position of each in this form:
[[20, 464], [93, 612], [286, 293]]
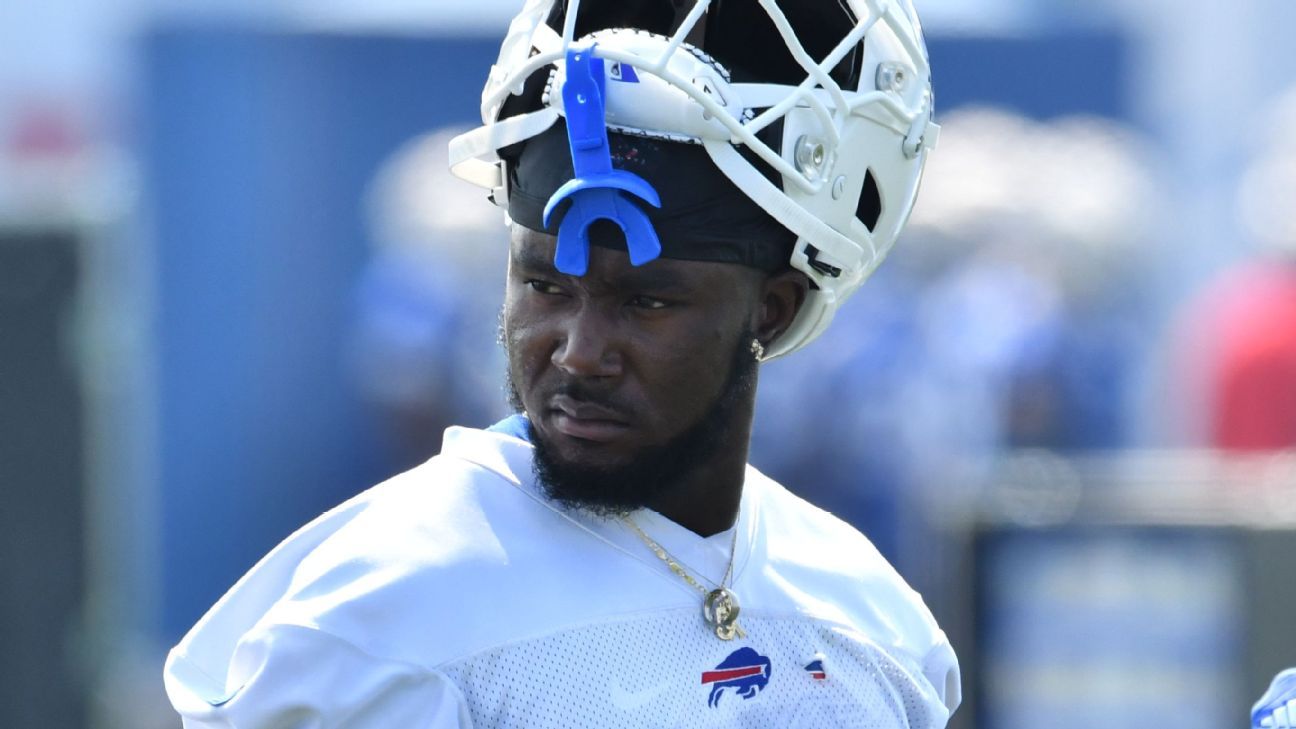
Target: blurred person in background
[[1014, 317], [581, 562], [424, 349], [1236, 340]]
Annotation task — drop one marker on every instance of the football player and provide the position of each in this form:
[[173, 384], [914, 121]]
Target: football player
[[693, 188]]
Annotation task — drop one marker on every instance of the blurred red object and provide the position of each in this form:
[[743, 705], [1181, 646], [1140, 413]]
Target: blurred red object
[[45, 130], [1246, 328]]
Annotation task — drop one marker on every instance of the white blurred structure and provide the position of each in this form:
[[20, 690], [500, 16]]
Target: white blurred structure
[[1086, 181], [415, 203], [1268, 186]]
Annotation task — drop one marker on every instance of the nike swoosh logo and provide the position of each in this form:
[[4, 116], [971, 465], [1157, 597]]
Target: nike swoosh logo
[[632, 700]]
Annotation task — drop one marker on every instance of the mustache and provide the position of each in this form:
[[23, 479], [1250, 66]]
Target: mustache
[[584, 391]]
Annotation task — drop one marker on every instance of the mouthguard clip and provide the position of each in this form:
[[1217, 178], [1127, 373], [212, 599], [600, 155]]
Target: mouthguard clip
[[597, 191]]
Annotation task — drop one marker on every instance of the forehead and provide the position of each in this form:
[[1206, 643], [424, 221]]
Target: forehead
[[533, 251]]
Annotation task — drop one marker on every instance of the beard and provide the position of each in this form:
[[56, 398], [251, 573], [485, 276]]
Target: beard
[[610, 491]]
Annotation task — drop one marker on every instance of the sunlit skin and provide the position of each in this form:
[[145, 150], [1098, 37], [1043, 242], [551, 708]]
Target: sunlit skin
[[647, 349]]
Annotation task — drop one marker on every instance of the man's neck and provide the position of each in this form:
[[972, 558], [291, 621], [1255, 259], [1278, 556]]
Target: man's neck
[[706, 501]]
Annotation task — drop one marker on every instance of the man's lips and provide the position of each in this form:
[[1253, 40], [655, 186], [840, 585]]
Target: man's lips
[[586, 420]]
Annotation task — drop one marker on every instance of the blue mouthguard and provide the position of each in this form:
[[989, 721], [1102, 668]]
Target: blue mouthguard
[[597, 191]]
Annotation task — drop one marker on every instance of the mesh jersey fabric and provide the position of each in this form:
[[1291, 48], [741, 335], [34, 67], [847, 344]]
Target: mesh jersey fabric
[[652, 672], [455, 595]]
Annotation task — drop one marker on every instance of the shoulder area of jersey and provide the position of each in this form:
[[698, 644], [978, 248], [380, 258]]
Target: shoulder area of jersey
[[820, 111], [849, 570]]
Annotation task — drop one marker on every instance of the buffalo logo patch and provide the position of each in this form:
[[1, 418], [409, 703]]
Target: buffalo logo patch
[[745, 671]]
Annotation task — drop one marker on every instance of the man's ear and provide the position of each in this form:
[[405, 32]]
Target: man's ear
[[782, 295]]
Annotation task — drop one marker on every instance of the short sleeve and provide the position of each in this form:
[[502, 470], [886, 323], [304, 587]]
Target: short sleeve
[[942, 670], [293, 677]]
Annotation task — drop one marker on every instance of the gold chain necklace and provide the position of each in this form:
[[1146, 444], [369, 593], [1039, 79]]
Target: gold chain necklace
[[719, 606]]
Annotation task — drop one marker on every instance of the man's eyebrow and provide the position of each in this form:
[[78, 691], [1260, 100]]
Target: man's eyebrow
[[652, 279], [533, 260]]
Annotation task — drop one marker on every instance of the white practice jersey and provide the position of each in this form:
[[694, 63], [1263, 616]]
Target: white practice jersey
[[456, 595]]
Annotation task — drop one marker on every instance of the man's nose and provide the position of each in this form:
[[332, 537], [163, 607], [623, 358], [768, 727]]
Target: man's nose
[[589, 344]]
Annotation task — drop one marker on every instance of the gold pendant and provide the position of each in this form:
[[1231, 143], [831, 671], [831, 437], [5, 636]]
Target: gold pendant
[[720, 609]]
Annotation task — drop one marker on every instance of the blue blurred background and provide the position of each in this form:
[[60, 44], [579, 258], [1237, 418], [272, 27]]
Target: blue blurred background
[[237, 286]]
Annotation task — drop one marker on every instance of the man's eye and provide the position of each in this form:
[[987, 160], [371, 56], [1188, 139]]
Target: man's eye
[[544, 287], [648, 302]]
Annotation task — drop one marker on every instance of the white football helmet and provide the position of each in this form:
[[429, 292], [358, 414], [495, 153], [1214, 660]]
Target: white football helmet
[[1277, 708], [837, 103]]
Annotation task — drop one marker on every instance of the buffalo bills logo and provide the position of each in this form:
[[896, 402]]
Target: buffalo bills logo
[[745, 671]]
